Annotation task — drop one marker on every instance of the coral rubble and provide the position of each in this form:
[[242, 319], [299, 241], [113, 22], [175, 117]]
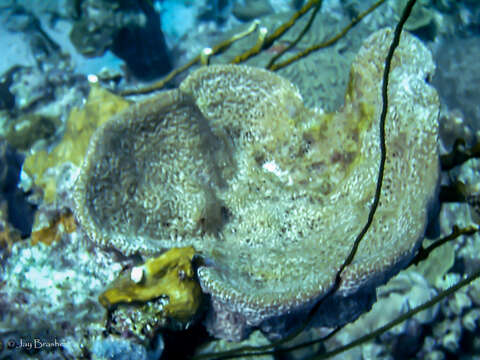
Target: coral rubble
[[270, 193]]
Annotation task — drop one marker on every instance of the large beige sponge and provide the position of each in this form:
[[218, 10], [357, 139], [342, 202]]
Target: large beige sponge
[[270, 193]]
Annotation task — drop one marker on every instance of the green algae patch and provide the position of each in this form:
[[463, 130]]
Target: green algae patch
[[81, 123], [169, 275]]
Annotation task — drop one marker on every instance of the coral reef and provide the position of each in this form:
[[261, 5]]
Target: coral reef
[[52, 275], [325, 88], [51, 293], [403, 292], [445, 330], [455, 83], [130, 29], [36, 104], [26, 130], [235, 165], [123, 349], [40, 166], [450, 328]]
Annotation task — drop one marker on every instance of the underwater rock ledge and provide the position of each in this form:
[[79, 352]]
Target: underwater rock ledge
[[272, 194]]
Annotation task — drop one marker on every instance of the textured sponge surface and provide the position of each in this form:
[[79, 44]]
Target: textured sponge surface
[[270, 192]]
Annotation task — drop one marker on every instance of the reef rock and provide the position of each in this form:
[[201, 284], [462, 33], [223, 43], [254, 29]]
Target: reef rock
[[270, 193], [130, 29], [46, 169]]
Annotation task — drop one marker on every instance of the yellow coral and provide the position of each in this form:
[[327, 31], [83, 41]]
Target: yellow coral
[[81, 124], [170, 274]]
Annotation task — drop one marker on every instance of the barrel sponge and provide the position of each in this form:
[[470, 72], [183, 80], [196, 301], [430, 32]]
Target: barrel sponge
[[272, 194]]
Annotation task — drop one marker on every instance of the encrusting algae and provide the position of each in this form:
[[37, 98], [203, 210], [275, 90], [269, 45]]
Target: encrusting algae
[[271, 193]]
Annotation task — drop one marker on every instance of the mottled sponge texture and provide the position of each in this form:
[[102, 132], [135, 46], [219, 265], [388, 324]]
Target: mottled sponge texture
[[270, 193]]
